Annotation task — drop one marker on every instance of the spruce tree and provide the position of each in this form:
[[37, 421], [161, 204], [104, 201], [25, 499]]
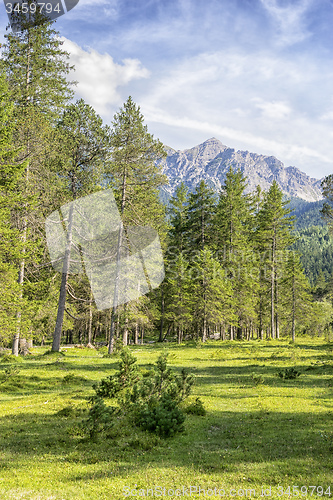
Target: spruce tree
[[178, 213], [178, 292], [200, 219], [36, 69], [211, 293], [295, 289], [233, 223], [10, 251], [135, 178], [83, 149], [273, 236]]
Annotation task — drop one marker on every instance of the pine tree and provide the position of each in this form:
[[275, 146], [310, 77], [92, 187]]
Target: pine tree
[[178, 213], [10, 172], [178, 291], [233, 223], [274, 226], [83, 148], [36, 69], [211, 293], [295, 289], [200, 219], [135, 178]]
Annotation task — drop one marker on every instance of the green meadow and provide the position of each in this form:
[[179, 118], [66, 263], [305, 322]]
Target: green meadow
[[261, 435]]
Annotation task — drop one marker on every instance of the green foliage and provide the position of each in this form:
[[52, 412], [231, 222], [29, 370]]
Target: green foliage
[[257, 379], [10, 358], [289, 373], [9, 373], [164, 417], [126, 376], [54, 354], [150, 399], [99, 418], [69, 378], [196, 408]]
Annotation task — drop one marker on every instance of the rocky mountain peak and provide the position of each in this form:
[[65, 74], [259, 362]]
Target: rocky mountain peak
[[211, 160]]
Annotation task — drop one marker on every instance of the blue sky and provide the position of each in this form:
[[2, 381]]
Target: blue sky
[[255, 74]]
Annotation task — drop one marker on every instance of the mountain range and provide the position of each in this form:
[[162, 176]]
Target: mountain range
[[211, 160]]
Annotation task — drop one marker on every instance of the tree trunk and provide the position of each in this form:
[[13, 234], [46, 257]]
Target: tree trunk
[[136, 333], [125, 331], [120, 238], [90, 321], [63, 287], [142, 333], [272, 291], [294, 310], [277, 328], [16, 340], [204, 329], [160, 339]]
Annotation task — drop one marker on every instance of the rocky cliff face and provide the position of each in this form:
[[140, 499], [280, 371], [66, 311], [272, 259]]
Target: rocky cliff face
[[211, 160]]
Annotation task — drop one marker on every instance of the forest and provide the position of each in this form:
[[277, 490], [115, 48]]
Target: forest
[[234, 267]]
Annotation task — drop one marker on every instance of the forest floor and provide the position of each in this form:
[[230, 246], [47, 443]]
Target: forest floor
[[262, 435]]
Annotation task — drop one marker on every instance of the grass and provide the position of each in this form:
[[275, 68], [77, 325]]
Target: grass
[[259, 430]]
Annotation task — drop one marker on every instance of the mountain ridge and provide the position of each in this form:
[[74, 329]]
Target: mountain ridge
[[210, 161]]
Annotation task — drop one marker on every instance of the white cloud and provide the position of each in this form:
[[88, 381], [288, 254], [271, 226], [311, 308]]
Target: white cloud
[[290, 19], [100, 77], [277, 110], [269, 105], [327, 116]]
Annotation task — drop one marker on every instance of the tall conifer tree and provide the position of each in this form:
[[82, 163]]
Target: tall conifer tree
[[36, 68], [135, 177]]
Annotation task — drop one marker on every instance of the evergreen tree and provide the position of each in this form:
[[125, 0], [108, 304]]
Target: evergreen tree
[[273, 236], [135, 178], [83, 148], [10, 172], [178, 213], [234, 248], [36, 69], [295, 289], [211, 293], [178, 290], [200, 218]]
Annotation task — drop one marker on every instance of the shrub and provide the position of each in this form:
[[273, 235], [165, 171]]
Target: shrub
[[196, 408], [69, 378], [149, 399], [99, 418], [289, 373], [257, 379], [164, 418], [126, 376]]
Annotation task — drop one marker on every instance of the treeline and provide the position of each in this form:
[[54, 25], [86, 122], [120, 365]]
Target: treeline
[[315, 246], [229, 268]]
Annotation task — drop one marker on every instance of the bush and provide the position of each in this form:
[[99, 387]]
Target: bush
[[257, 379], [289, 373], [165, 418], [149, 399], [53, 353], [126, 376], [196, 408], [99, 418]]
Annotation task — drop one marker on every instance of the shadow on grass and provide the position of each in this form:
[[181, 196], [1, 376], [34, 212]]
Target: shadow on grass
[[217, 443]]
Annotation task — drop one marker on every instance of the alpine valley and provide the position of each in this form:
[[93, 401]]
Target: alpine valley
[[211, 160]]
